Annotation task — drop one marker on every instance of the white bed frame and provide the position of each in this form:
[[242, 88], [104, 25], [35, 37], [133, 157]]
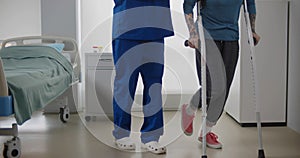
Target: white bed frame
[[12, 147]]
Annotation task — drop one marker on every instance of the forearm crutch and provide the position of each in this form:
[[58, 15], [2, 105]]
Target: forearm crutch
[[202, 51], [261, 153], [203, 77]]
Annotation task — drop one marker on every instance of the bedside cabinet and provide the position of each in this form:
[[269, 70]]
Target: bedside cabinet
[[99, 75]]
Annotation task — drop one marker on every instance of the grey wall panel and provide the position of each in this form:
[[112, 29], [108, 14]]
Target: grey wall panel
[[58, 18]]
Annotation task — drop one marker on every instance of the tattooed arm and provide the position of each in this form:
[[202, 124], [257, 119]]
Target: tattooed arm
[[188, 6], [194, 37], [252, 22]]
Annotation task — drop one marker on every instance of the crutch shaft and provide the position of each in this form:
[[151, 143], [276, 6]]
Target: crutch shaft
[[201, 3], [251, 41], [258, 119]]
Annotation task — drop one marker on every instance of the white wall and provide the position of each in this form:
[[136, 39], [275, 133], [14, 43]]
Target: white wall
[[294, 64], [19, 18]]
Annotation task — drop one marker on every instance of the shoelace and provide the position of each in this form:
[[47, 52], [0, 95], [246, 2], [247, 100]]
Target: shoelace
[[213, 136]]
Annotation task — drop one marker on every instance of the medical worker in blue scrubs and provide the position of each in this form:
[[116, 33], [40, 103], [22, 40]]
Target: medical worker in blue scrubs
[[139, 29], [221, 31]]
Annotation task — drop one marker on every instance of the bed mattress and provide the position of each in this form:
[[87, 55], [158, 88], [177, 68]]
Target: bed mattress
[[35, 75]]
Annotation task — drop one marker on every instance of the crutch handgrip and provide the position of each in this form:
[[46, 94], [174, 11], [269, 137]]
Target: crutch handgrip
[[186, 43], [255, 41]]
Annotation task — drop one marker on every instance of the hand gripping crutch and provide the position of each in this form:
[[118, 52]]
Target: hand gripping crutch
[[200, 4], [261, 153]]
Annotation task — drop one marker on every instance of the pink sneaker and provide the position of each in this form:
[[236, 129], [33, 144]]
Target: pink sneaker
[[186, 121], [211, 141]]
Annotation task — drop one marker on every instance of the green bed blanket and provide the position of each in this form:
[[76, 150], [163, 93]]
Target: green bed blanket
[[36, 75]]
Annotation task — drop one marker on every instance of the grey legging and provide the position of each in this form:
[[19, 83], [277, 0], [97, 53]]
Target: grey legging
[[221, 60]]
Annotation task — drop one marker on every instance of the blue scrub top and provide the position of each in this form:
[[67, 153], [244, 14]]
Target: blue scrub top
[[142, 19], [220, 17]]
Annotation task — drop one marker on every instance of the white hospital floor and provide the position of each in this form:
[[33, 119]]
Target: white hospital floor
[[44, 136]]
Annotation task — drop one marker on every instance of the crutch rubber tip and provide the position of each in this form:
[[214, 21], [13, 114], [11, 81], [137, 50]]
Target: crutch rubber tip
[[204, 156], [261, 153]]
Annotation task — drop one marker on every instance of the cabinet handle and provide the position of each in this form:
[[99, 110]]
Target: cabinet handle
[[105, 60]]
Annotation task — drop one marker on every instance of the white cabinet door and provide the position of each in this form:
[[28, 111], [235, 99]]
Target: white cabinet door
[[104, 90], [99, 79]]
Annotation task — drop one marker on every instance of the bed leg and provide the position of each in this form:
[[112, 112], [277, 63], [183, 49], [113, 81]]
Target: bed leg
[[10, 131], [12, 148]]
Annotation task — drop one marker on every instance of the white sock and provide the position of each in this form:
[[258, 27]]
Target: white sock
[[190, 110], [207, 130]]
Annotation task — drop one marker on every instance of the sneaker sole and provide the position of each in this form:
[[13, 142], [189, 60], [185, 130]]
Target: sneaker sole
[[212, 146], [187, 133]]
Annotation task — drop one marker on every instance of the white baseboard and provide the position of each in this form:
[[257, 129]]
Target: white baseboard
[[171, 101]]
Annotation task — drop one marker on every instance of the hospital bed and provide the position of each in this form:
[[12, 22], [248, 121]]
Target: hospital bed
[[34, 71]]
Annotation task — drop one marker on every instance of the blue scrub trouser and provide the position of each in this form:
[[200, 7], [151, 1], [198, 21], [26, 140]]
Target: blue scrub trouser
[[132, 58]]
